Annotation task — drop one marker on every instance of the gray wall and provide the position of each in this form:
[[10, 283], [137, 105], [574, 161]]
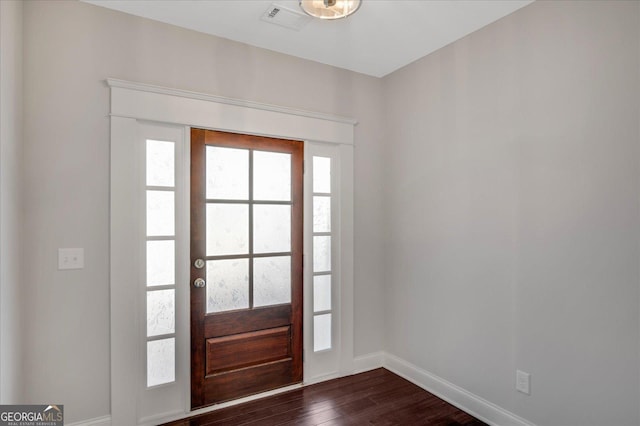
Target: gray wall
[[512, 219], [70, 48], [10, 200]]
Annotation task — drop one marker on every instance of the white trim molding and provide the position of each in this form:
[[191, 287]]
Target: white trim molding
[[142, 87], [466, 401], [98, 421], [368, 362], [135, 107], [174, 106]]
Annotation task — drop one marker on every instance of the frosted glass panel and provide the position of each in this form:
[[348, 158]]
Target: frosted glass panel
[[160, 312], [321, 293], [160, 163], [271, 280], [161, 361], [227, 173], [321, 254], [227, 229], [321, 214], [160, 213], [321, 174], [161, 263], [227, 285], [321, 332], [271, 229], [271, 176]]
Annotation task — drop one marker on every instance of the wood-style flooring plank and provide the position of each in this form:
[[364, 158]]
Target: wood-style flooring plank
[[377, 397]]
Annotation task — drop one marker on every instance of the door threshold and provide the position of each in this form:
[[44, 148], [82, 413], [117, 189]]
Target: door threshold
[[244, 399], [238, 401]]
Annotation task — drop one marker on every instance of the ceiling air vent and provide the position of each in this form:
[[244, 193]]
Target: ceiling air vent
[[284, 17]]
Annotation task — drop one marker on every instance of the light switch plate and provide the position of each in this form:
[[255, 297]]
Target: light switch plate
[[523, 382], [70, 258]]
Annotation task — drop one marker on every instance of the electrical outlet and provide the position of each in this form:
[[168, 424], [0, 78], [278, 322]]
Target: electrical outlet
[[523, 382], [70, 258]]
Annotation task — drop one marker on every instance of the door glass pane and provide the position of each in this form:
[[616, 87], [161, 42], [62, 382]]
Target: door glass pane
[[321, 253], [321, 332], [227, 173], [321, 214], [161, 263], [227, 229], [160, 213], [227, 285], [271, 280], [160, 312], [160, 163], [271, 228], [321, 174], [271, 176], [161, 361], [321, 293]]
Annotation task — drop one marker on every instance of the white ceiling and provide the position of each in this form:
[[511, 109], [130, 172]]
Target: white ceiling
[[381, 37]]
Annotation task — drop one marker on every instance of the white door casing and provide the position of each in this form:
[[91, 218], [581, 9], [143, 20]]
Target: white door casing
[[140, 112]]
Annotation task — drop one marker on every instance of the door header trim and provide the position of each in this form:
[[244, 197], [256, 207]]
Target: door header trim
[[183, 107]]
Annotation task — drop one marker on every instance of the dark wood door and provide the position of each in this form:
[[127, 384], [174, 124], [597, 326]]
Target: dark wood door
[[246, 245]]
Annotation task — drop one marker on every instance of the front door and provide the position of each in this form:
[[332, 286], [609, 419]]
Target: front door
[[246, 265]]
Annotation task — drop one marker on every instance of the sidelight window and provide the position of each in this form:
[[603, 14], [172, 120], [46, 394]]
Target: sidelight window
[[322, 240], [160, 262]]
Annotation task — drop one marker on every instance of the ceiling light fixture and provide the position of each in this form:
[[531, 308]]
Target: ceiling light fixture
[[330, 9]]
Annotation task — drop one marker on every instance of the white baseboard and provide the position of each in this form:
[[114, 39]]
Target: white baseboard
[[368, 362], [162, 418], [98, 421], [455, 395], [320, 379]]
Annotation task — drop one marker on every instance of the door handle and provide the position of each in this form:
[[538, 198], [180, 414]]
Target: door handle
[[199, 282]]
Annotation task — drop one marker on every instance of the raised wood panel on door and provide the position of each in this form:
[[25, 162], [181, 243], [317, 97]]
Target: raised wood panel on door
[[245, 351], [248, 349]]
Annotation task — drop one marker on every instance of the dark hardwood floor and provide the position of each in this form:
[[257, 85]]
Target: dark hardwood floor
[[376, 397]]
